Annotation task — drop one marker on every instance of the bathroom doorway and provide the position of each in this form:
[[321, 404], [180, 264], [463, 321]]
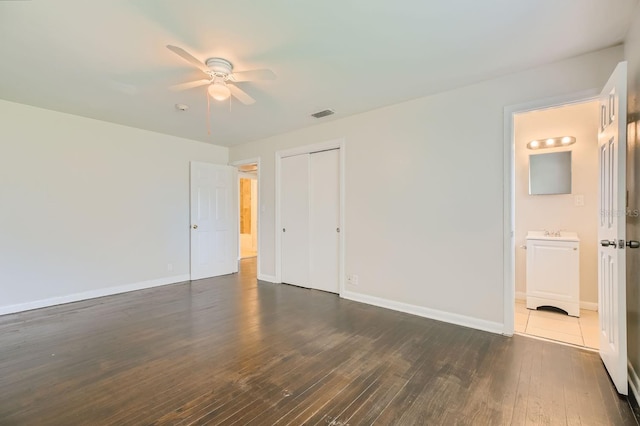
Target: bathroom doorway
[[248, 209], [558, 218]]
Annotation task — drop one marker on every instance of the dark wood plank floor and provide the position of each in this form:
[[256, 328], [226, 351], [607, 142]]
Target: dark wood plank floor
[[236, 352]]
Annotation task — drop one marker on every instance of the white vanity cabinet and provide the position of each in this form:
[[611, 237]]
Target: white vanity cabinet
[[553, 271]]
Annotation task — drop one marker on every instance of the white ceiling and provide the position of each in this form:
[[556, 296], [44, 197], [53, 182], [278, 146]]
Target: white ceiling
[[107, 59]]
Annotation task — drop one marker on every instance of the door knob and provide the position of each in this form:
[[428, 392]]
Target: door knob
[[195, 226], [633, 244], [607, 243], [284, 230]]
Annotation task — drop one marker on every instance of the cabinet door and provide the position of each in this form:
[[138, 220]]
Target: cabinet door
[[553, 271]]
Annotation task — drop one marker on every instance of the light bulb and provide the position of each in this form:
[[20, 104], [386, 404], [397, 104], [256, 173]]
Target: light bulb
[[219, 91], [566, 140], [550, 142], [534, 144]]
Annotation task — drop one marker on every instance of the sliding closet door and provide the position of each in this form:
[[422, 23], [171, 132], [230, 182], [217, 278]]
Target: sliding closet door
[[294, 174], [324, 220]]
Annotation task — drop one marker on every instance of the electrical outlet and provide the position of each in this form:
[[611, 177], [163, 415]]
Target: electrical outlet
[[352, 280], [169, 267], [579, 200]]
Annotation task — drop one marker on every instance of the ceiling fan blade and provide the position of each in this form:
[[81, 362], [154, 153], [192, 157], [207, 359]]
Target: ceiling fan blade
[[253, 75], [189, 85], [188, 57], [241, 95]]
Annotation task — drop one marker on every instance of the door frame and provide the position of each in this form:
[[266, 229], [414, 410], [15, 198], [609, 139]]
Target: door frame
[[254, 160], [308, 149], [509, 249]]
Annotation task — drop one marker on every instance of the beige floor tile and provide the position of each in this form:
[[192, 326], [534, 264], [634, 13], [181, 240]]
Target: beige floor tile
[[581, 331], [566, 327], [587, 325], [555, 335], [589, 321], [521, 318], [584, 313], [591, 338]]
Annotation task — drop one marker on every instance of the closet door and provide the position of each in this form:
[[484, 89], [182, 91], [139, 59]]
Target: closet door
[[324, 220], [294, 173]]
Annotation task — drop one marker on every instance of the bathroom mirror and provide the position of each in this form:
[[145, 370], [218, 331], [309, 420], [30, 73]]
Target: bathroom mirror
[[550, 173]]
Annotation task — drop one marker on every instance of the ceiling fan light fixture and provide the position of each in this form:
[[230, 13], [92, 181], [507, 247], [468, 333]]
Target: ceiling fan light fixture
[[219, 91]]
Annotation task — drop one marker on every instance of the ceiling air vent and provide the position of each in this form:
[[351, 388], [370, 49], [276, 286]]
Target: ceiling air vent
[[324, 113]]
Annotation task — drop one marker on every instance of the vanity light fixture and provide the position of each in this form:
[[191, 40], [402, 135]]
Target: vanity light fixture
[[552, 142]]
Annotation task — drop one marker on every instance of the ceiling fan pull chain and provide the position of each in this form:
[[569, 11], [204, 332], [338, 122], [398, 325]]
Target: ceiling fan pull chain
[[208, 114]]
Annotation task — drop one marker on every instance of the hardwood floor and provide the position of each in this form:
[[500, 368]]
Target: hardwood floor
[[233, 351]]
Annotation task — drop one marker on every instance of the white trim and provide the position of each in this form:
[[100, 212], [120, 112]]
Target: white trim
[[634, 381], [267, 278], [307, 149], [465, 321], [509, 281], [588, 306], [254, 160], [85, 295]]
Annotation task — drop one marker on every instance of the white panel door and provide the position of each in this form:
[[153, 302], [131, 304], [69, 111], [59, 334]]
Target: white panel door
[[294, 208], [612, 143], [214, 220], [324, 220]]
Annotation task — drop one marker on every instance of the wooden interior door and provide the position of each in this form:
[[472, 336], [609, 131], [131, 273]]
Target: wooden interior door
[[611, 227]]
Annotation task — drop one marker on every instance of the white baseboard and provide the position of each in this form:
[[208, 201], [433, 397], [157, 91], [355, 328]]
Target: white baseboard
[[634, 381], [493, 327], [267, 278], [107, 291], [588, 306]]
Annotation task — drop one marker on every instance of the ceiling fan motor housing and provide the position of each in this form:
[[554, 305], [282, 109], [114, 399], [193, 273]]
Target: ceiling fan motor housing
[[220, 67]]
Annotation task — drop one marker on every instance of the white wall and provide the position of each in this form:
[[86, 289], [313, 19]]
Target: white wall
[[556, 212], [424, 182], [90, 207]]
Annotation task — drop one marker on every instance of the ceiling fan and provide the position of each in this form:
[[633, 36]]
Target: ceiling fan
[[220, 77]]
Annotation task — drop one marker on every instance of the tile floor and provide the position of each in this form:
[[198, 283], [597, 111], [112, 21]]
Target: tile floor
[[581, 331], [244, 253]]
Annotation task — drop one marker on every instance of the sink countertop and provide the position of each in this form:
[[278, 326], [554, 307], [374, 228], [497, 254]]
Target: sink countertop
[[564, 236]]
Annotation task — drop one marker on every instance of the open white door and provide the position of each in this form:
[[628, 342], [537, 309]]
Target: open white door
[[214, 220], [612, 142]]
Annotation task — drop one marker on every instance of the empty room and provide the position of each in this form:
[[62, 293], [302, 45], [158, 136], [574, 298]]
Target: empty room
[[332, 213]]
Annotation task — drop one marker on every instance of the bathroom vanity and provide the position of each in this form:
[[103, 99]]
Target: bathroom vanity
[[553, 270]]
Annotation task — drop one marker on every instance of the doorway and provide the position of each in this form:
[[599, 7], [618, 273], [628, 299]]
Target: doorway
[[557, 227], [248, 209]]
